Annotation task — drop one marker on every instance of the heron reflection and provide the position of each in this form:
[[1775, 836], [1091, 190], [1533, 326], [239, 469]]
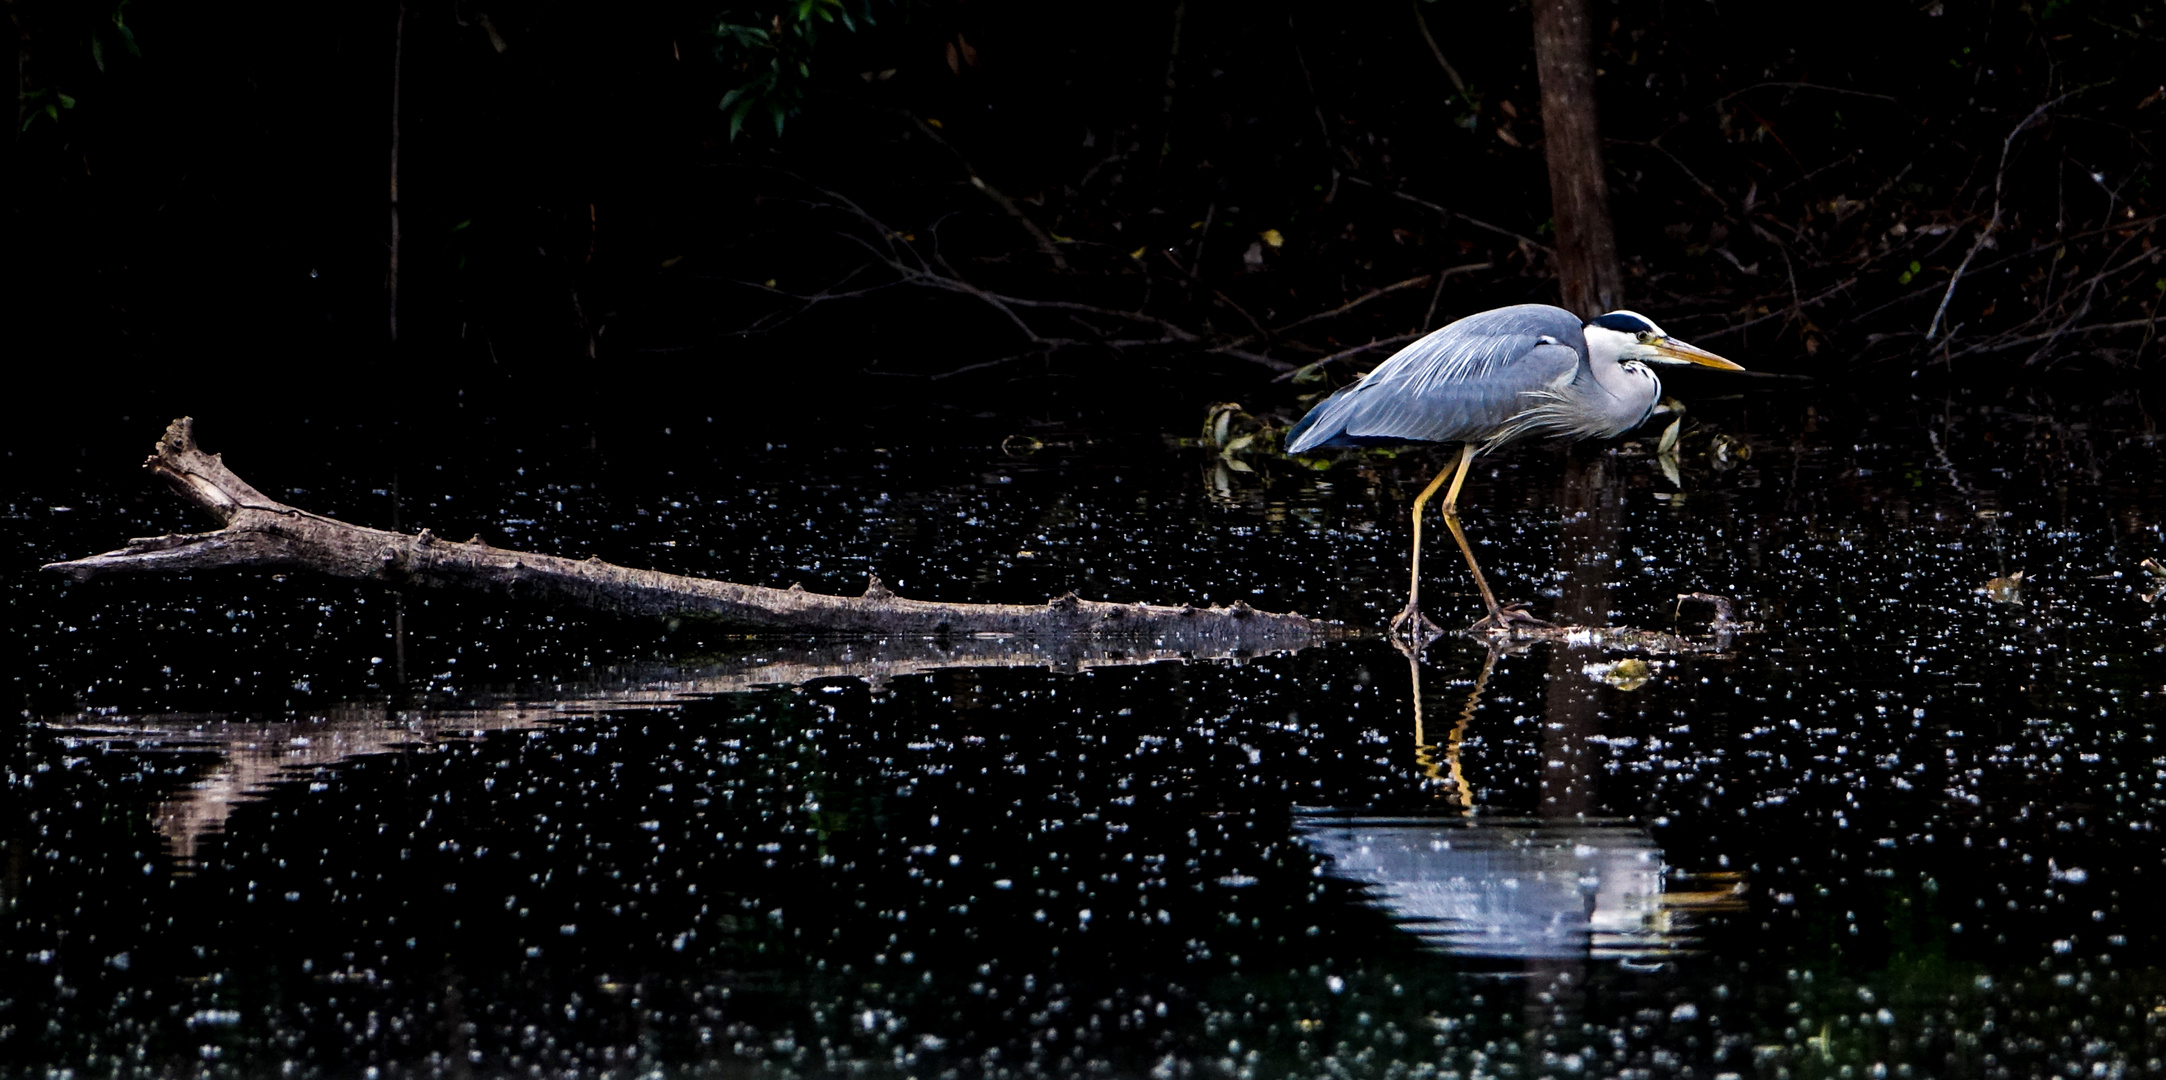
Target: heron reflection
[[1512, 888], [1509, 888], [1439, 762]]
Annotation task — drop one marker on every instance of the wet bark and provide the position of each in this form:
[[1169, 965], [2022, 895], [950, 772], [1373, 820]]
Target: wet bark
[[1588, 272], [261, 533]]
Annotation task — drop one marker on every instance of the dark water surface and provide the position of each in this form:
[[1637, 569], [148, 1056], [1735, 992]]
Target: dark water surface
[[261, 826]]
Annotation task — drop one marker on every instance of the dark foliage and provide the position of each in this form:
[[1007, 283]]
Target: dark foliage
[[1204, 194]]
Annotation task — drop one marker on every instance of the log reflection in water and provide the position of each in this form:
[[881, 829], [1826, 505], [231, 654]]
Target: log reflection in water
[[253, 755]]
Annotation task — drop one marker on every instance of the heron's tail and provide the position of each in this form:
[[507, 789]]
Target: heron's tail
[[1325, 422]]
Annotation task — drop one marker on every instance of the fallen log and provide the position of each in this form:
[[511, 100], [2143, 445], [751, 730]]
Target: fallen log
[[259, 532]]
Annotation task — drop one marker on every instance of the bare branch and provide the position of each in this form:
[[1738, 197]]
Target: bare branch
[[1993, 224], [1399, 339], [1450, 215], [1007, 206]]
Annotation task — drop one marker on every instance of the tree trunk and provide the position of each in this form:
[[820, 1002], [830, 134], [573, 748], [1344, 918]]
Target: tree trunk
[[1587, 267], [261, 533]]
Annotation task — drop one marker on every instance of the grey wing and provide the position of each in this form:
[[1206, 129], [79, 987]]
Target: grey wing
[[1466, 382]]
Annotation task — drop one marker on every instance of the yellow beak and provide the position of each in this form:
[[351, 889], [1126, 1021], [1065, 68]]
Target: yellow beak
[[1678, 350]]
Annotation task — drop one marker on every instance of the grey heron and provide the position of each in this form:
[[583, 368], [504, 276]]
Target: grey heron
[[1518, 372]]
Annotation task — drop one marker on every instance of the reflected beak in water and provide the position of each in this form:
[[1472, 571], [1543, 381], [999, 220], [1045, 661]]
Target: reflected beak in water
[[1678, 352]]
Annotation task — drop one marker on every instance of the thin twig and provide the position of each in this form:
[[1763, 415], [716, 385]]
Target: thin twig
[[1173, 60], [1396, 339], [1993, 224], [1044, 240], [1808, 86], [1316, 104], [1436, 296], [2094, 328], [1448, 215], [1437, 51], [1222, 297], [1655, 144], [1381, 290], [1799, 306]]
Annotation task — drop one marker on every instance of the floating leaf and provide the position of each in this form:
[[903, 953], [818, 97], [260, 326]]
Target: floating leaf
[[1272, 238], [1628, 674], [2004, 590], [1668, 445]]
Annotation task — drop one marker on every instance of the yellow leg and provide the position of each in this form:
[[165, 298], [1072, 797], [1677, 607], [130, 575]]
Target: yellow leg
[[1489, 600], [1457, 471], [1499, 617], [1466, 462]]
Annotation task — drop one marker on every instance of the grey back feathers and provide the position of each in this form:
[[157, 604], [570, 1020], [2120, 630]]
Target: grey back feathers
[[1489, 378]]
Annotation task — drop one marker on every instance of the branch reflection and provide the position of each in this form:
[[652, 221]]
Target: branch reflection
[[249, 757]]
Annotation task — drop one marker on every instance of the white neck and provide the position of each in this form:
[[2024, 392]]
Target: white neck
[[1631, 385], [1606, 347]]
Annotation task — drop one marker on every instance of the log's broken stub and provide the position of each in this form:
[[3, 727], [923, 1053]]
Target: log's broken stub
[[261, 533]]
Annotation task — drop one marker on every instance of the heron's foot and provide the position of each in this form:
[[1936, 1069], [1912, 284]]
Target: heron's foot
[[1507, 618], [1412, 627]]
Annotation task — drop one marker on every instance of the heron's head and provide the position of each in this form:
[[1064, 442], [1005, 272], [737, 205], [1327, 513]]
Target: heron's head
[[1629, 335]]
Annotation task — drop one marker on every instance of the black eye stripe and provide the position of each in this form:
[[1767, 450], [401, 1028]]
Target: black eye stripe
[[1623, 324]]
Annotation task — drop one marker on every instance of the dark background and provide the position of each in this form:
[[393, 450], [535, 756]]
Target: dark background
[[205, 229]]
